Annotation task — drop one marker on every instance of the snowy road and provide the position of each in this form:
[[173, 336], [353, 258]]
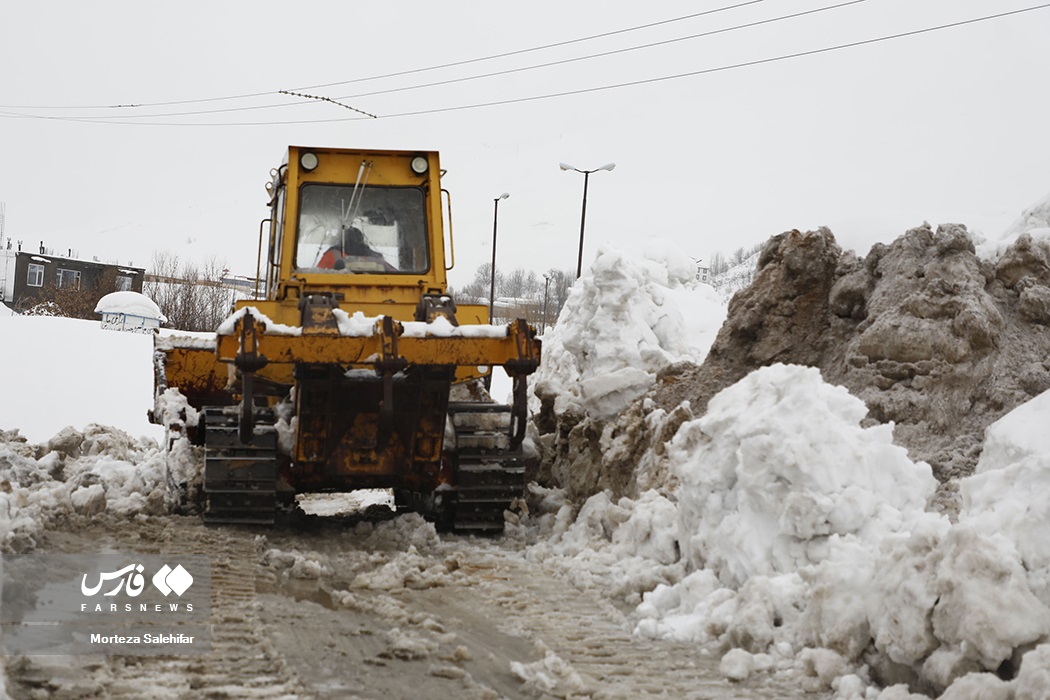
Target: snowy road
[[388, 611]]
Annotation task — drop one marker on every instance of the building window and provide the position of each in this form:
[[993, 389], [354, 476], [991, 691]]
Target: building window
[[35, 278], [123, 283], [68, 279]]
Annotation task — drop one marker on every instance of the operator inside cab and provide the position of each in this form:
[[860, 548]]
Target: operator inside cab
[[352, 252]]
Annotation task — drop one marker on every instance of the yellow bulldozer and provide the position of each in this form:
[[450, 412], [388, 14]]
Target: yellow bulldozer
[[352, 368]]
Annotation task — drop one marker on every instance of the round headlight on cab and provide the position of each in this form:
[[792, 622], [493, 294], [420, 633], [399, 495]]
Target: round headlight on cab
[[308, 161], [419, 165]]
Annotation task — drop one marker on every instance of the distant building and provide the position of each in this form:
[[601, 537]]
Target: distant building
[[27, 278]]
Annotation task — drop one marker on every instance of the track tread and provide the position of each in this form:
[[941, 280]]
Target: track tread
[[239, 480], [489, 474]]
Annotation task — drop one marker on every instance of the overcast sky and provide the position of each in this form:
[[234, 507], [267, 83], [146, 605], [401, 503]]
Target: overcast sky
[[942, 126]]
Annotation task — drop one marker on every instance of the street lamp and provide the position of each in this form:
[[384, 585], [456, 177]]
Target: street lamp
[[546, 290], [583, 216], [492, 287]]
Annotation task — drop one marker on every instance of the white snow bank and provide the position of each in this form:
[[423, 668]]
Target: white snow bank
[[778, 465], [1035, 221], [626, 318], [131, 303], [1019, 434], [59, 372], [1006, 497]]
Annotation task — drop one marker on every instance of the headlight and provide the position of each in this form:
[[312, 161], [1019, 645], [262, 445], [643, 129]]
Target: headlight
[[419, 165], [308, 161]]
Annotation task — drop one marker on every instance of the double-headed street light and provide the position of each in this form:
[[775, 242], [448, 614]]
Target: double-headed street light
[[492, 287], [583, 216]]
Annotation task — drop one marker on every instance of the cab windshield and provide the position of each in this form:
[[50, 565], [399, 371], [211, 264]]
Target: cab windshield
[[348, 229]]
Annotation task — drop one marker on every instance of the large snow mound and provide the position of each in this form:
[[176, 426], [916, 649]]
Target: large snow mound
[[1007, 495], [797, 540], [778, 465], [627, 318]]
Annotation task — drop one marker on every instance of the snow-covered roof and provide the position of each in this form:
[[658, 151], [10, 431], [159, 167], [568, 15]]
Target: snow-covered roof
[[130, 303]]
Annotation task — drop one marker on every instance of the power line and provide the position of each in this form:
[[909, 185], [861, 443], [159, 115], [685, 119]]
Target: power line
[[613, 52], [453, 64], [719, 69], [628, 49], [581, 91], [539, 48]]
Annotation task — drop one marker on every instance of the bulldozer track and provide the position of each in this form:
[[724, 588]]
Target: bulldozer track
[[239, 480], [490, 473]]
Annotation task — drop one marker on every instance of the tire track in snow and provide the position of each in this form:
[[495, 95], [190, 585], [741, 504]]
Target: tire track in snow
[[242, 661], [590, 649]]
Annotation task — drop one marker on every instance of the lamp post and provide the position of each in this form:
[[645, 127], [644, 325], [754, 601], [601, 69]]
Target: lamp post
[[492, 286], [583, 216], [546, 290]]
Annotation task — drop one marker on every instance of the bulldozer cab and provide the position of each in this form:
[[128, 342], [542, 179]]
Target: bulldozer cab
[[340, 214]]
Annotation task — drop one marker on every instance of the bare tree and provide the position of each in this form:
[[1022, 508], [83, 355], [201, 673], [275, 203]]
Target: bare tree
[[192, 297], [523, 293]]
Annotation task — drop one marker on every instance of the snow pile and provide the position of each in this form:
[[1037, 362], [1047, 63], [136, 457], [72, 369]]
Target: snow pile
[[75, 474], [1034, 221], [551, 676], [625, 320], [806, 547], [626, 547], [629, 322], [778, 466], [1007, 495]]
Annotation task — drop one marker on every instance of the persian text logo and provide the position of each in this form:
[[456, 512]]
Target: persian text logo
[[166, 580], [130, 574]]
